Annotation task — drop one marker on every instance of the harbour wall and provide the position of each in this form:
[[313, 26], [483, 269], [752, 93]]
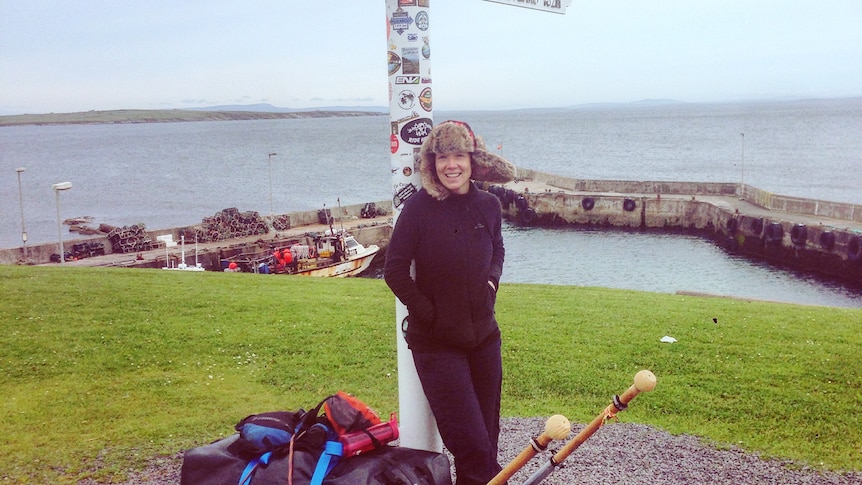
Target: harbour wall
[[761, 198], [815, 236]]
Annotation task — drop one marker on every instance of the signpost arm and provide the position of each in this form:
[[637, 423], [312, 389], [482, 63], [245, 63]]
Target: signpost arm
[[555, 6]]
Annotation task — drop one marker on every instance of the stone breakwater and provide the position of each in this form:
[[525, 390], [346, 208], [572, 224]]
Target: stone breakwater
[[814, 236]]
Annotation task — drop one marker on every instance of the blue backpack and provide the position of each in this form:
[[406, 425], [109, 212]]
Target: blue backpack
[[281, 433]]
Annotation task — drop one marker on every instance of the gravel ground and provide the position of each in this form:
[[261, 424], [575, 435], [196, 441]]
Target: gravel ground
[[618, 453]]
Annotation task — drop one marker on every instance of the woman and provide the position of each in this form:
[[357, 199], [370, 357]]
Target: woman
[[452, 230]]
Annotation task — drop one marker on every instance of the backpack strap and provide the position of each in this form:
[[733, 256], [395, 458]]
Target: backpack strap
[[308, 419], [326, 462], [248, 473]]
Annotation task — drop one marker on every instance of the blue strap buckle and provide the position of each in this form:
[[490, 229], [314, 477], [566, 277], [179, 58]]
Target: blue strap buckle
[[245, 478], [328, 459]]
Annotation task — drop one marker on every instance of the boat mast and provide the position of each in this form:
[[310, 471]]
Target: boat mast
[[340, 218]]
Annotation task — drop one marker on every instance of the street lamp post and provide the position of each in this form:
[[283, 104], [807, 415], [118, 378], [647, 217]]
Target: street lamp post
[[742, 169], [21, 170], [271, 212], [57, 188]]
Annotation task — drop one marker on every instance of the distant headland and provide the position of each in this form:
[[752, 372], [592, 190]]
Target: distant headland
[[128, 116]]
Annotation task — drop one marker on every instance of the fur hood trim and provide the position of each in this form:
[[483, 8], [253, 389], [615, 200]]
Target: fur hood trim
[[456, 136]]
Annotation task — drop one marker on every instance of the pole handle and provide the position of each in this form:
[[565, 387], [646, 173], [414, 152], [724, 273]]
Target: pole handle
[[644, 381], [557, 427]]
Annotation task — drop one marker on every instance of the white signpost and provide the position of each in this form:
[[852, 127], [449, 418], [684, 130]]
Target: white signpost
[[410, 121]]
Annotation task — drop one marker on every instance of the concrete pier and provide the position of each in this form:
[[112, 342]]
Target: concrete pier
[[815, 236], [367, 231]]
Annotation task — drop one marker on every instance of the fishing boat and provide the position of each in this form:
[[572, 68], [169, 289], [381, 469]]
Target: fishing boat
[[334, 253]]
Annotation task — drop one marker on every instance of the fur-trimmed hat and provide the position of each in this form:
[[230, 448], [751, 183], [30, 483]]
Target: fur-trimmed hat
[[456, 136]]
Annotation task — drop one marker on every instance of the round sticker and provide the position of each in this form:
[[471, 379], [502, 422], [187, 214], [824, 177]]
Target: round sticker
[[425, 99], [414, 132]]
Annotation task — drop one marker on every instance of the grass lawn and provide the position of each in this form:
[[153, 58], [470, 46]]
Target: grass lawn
[[103, 369]]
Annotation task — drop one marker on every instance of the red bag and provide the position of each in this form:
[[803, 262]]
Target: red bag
[[347, 414]]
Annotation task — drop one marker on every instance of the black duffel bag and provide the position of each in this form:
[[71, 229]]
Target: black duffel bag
[[223, 463]]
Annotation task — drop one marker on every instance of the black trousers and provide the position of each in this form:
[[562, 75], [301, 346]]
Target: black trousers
[[463, 389]]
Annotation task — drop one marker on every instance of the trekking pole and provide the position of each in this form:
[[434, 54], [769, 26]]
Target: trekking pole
[[644, 381], [557, 427]]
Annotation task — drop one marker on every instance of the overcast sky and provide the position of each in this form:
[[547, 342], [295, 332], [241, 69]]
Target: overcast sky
[[79, 55]]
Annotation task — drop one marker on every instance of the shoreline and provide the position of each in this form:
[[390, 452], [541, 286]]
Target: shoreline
[[133, 116], [817, 237]]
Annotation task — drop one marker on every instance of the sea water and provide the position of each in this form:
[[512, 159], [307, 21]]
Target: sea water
[[174, 174]]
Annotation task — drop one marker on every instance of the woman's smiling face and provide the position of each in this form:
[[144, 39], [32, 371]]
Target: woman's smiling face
[[454, 171]]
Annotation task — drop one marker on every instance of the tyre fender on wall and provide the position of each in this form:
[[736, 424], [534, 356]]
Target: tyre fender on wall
[[629, 205], [756, 226], [774, 232], [588, 203], [827, 239], [798, 234]]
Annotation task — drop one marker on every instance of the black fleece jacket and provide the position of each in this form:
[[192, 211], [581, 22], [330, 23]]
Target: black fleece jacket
[[458, 248]]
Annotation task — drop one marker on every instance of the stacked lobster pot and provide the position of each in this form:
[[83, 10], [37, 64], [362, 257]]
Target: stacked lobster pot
[[228, 224], [128, 239], [281, 223], [88, 249]]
